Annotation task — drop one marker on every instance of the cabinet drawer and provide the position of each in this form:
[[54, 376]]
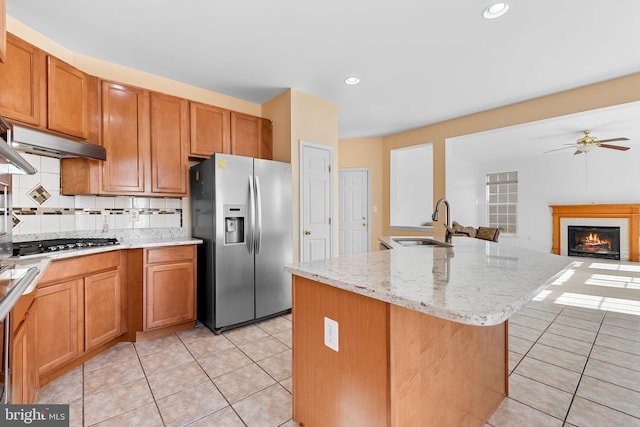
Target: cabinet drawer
[[80, 266], [170, 254]]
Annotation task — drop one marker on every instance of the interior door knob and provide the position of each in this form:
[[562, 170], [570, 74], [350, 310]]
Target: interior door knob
[[307, 232], [364, 225]]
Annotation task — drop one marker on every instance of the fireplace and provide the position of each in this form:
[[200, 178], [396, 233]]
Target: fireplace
[[593, 241]]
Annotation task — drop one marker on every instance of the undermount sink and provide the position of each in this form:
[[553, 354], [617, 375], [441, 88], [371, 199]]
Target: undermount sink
[[420, 241]]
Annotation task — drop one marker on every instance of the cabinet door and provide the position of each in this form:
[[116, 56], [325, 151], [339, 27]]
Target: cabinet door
[[169, 294], [18, 365], [68, 99], [22, 79], [210, 129], [102, 308], [125, 136], [24, 368], [31, 377], [245, 134], [57, 325], [266, 140], [169, 140]]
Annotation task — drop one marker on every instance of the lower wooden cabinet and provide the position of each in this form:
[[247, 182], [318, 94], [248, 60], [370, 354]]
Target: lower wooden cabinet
[[24, 364], [81, 304], [103, 308], [58, 325], [169, 286], [86, 304]]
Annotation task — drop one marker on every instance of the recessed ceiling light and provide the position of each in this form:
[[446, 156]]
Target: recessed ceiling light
[[496, 10], [353, 80]]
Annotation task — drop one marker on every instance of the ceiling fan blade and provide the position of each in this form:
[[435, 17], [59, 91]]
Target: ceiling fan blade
[[615, 147], [578, 152], [558, 149], [613, 139]]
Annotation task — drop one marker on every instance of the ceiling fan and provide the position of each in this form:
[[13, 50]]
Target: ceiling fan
[[587, 142]]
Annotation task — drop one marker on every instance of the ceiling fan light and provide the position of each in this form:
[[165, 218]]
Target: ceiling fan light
[[495, 10]]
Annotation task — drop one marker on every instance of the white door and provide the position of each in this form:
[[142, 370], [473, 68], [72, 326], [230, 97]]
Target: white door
[[315, 201], [354, 211]]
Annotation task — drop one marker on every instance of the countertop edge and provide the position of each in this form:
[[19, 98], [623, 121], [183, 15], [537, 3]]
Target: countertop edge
[[487, 316], [125, 244]]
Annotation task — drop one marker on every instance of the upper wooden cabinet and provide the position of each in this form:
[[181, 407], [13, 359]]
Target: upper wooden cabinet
[[125, 136], [3, 30], [146, 135], [169, 144], [266, 140], [216, 130], [23, 83], [45, 92], [246, 131], [72, 101], [251, 136], [210, 130]]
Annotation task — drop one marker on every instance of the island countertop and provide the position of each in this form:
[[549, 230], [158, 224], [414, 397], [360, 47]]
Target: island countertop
[[475, 282]]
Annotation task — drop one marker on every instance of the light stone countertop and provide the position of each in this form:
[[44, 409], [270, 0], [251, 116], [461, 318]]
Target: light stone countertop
[[475, 282], [149, 242]]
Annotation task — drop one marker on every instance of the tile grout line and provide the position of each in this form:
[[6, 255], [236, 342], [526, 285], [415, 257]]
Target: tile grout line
[[211, 379], [155, 401], [584, 368]]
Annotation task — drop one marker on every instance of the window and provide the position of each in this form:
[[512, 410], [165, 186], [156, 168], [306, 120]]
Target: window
[[502, 201]]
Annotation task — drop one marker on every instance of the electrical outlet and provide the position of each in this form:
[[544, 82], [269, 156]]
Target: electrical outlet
[[331, 334], [135, 215]]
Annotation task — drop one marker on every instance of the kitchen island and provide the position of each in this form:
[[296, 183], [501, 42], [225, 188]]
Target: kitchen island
[[421, 332]]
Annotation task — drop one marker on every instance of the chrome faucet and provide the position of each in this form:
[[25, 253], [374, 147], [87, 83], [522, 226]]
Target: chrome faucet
[[447, 225]]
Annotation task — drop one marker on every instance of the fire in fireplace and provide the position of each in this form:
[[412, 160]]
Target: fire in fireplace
[[594, 242]]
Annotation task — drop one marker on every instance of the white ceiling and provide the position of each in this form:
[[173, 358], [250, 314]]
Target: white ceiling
[[419, 61], [536, 138]]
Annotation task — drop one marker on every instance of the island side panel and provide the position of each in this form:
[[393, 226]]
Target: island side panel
[[345, 388], [445, 373]]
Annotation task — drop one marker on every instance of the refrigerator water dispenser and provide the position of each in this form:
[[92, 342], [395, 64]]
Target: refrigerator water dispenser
[[234, 216]]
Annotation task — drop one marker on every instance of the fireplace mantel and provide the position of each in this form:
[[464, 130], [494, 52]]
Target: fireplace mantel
[[624, 211]]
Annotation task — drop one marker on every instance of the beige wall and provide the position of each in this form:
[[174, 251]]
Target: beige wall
[[367, 153], [608, 93], [299, 116], [130, 76]]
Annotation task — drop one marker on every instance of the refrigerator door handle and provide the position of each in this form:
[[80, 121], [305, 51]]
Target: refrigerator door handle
[[258, 233], [252, 217]]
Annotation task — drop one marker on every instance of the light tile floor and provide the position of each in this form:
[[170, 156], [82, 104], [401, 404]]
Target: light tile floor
[[574, 360]]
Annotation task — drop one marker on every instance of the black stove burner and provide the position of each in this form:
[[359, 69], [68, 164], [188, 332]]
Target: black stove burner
[[55, 245]]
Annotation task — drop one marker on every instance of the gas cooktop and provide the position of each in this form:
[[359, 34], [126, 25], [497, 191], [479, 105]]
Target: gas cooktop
[[56, 245]]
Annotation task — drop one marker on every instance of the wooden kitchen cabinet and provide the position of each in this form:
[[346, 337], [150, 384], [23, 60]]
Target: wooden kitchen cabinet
[[210, 130], [169, 286], [169, 144], [24, 364], [246, 132], [58, 324], [72, 101], [216, 130], [146, 136], [125, 136], [103, 308], [81, 306], [23, 83], [266, 140]]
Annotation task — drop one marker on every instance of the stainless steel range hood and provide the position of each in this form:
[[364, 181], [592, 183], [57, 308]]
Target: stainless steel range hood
[[10, 161], [45, 144]]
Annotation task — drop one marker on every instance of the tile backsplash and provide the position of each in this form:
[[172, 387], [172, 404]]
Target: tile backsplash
[[40, 209]]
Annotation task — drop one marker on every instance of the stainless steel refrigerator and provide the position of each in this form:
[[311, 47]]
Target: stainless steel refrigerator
[[241, 209]]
